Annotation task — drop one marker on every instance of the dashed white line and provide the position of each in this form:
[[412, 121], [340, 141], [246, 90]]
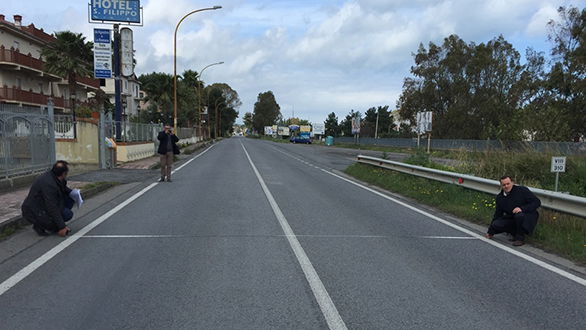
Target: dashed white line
[[324, 301]]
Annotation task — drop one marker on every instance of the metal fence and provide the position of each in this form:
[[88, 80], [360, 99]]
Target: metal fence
[[132, 132], [563, 148], [27, 140]]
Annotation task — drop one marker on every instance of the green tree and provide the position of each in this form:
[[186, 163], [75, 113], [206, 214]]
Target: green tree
[[158, 88], [222, 101], [266, 111], [346, 123], [474, 91], [71, 57], [567, 78], [331, 125], [247, 119]]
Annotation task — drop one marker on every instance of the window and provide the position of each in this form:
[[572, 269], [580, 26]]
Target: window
[[18, 83], [41, 88], [16, 44]]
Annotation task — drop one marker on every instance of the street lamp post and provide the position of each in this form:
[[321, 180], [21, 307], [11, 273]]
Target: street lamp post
[[199, 93], [175, 62]]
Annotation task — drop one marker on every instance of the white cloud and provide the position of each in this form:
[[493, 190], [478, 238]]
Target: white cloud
[[317, 56], [538, 24]]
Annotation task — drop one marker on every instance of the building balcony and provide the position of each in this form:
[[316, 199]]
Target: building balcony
[[15, 95], [15, 60]]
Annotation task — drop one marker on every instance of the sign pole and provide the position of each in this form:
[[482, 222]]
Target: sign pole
[[428, 142], [558, 164], [117, 82]]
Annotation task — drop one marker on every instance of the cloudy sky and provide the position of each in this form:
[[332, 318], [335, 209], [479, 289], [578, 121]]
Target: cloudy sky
[[316, 56]]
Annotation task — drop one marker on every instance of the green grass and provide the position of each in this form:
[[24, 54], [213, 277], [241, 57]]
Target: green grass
[[529, 168], [100, 184], [558, 233]]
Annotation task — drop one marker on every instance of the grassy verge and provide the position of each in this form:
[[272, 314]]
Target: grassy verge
[[558, 233]]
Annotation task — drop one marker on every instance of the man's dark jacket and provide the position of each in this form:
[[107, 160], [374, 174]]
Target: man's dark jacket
[[45, 201], [522, 197], [163, 138]]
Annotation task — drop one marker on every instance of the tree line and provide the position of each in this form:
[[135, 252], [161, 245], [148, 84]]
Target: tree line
[[193, 98], [486, 91]]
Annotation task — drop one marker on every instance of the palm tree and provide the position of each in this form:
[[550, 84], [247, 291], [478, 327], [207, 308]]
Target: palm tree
[[69, 56]]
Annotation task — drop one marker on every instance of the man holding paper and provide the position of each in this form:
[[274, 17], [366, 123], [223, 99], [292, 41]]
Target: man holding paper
[[49, 201]]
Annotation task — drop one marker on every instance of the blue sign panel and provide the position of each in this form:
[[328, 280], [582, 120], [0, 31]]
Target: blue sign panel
[[102, 54], [102, 36], [116, 10]]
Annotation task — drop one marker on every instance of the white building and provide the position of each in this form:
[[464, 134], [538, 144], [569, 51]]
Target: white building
[[131, 95]]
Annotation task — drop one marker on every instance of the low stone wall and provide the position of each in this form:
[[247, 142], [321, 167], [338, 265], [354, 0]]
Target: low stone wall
[[82, 150], [128, 152]]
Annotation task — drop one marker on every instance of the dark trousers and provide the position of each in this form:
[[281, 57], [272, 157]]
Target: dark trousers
[[518, 225], [166, 164], [44, 222]]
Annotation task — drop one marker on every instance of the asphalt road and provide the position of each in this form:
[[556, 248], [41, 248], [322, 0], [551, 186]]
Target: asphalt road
[[255, 235]]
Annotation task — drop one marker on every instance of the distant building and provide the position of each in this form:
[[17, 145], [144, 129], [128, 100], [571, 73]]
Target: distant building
[[131, 95], [23, 79]]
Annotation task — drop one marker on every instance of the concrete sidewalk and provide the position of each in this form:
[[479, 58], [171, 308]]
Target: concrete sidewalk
[[137, 171]]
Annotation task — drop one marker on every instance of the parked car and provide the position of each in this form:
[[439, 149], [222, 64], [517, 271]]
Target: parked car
[[300, 139]]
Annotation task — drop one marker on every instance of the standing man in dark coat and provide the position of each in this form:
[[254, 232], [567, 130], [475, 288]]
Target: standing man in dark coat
[[48, 205], [516, 211], [167, 148]]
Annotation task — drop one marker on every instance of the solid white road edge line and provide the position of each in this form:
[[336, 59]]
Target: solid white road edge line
[[26, 271], [517, 253], [324, 300]]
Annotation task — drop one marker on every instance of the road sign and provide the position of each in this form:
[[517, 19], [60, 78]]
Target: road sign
[[102, 53], [558, 164], [125, 11], [356, 125], [318, 128], [424, 122]]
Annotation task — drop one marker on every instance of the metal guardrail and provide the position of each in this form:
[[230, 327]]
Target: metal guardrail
[[562, 148], [553, 200]]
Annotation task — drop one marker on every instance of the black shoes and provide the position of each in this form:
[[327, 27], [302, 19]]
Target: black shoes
[[40, 231], [162, 179], [168, 179]]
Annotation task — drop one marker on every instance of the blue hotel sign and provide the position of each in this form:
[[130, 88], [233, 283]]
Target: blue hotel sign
[[127, 11]]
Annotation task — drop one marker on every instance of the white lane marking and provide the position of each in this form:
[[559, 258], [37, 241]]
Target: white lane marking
[[517, 253], [26, 271], [192, 159], [135, 236], [324, 300], [448, 237], [30, 268], [235, 236], [512, 251]]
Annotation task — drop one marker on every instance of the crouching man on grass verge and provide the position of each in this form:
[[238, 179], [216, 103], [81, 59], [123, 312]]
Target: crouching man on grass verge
[[516, 212], [48, 204]]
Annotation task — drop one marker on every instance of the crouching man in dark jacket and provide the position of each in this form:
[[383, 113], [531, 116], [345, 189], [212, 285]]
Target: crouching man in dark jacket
[[48, 205], [516, 212]]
